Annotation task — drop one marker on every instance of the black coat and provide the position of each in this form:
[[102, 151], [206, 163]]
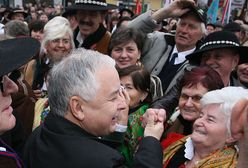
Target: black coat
[[60, 143], [8, 157]]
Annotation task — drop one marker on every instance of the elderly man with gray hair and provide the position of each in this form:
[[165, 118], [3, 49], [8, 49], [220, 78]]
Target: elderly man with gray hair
[[86, 101]]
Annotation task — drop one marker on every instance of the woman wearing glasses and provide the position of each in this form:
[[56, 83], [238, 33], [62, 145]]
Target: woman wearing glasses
[[57, 43], [195, 84]]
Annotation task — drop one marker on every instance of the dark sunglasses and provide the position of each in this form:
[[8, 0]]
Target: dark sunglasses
[[1, 84], [12, 76]]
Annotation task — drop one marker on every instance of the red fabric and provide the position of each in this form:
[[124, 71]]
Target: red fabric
[[171, 138], [182, 166], [138, 7]]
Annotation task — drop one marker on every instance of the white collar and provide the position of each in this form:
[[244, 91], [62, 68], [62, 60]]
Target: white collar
[[181, 55], [79, 39], [189, 149], [3, 149]]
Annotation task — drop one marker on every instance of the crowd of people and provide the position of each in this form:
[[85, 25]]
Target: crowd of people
[[92, 85]]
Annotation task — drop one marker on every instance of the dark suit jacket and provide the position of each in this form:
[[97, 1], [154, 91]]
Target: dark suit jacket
[[60, 143]]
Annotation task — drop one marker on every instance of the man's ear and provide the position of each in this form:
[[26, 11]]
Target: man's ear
[[76, 107], [239, 118], [236, 61]]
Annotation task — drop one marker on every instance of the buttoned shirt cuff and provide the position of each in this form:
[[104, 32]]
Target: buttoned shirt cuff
[[120, 128]]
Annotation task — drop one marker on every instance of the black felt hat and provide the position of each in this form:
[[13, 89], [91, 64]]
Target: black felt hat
[[232, 27], [67, 13], [216, 40], [16, 52], [17, 10], [91, 5], [127, 10]]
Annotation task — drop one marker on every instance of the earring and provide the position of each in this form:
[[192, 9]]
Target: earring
[[138, 63]]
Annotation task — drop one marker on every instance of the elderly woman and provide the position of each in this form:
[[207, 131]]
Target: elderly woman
[[195, 84], [211, 143], [57, 43], [125, 47]]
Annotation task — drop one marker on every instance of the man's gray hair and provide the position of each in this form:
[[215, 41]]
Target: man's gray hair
[[56, 28], [75, 76], [227, 97], [16, 28]]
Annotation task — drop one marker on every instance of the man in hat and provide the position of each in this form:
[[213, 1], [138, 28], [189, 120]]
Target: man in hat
[[125, 12], [90, 105], [165, 55], [17, 14], [14, 53], [234, 28], [221, 51], [91, 34]]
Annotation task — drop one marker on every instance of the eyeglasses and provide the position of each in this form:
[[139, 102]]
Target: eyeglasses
[[195, 98], [58, 41]]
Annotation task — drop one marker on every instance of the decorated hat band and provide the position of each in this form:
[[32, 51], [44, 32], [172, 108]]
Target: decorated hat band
[[91, 2], [219, 42]]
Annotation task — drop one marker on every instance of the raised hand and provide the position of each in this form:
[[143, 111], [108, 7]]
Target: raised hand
[[155, 123], [175, 9]]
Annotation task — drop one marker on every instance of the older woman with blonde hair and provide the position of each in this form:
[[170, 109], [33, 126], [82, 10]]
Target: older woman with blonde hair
[[211, 143], [57, 43], [58, 38]]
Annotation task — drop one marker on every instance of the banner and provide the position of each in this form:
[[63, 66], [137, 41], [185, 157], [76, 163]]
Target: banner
[[226, 9], [212, 13]]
